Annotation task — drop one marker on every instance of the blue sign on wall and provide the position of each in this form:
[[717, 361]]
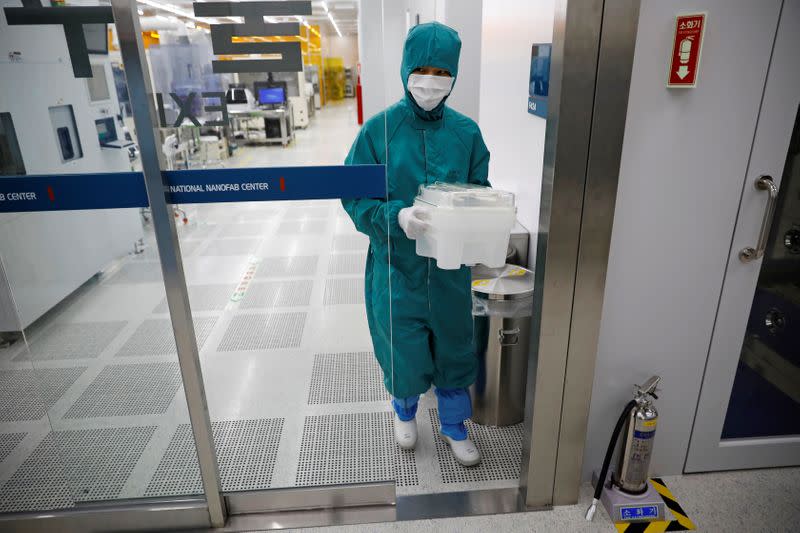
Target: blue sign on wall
[[71, 192], [539, 83]]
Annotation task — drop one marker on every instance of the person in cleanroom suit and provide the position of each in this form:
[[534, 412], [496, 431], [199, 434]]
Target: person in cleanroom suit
[[427, 337]]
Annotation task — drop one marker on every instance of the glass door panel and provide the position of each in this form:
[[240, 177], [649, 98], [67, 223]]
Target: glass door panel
[[434, 359], [275, 266], [765, 399], [90, 386]]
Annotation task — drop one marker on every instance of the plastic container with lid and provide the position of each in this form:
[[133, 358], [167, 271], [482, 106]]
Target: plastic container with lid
[[469, 224]]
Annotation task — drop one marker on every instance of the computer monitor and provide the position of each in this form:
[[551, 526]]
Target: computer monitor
[[106, 130], [271, 95]]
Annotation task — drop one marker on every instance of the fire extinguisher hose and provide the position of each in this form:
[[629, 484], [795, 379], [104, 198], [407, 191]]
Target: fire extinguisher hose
[[601, 480]]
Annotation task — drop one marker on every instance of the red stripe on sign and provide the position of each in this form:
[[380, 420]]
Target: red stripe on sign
[[51, 194], [283, 184]]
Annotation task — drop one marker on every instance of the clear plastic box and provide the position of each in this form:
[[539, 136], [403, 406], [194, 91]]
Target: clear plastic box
[[469, 224]]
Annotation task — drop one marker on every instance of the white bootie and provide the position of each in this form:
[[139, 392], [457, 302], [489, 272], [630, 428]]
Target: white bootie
[[405, 433], [464, 451]]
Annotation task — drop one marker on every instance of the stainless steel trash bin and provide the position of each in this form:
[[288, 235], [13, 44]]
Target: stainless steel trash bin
[[502, 302]]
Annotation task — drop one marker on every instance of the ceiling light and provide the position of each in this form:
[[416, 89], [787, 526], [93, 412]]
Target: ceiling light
[[167, 7], [181, 12], [335, 27]]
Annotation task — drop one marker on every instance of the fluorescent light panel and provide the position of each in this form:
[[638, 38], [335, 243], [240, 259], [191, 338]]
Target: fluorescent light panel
[[335, 27]]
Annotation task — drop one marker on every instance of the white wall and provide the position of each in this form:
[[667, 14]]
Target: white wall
[[345, 47], [465, 16], [515, 138], [381, 33], [683, 167]]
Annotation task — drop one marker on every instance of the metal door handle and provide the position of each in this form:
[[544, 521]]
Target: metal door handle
[[513, 337], [763, 183]]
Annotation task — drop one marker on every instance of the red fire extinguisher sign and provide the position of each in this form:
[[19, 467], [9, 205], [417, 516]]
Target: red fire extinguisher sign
[[685, 63]]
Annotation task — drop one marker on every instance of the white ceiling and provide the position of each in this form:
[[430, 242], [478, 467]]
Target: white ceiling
[[344, 12]]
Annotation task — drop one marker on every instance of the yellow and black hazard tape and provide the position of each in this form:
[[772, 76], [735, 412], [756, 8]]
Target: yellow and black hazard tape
[[680, 523]]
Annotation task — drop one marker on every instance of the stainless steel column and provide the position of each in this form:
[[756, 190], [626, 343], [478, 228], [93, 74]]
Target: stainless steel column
[[593, 42], [145, 119], [614, 66]]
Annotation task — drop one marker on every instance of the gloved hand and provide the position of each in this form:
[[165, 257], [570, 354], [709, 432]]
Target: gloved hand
[[413, 221]]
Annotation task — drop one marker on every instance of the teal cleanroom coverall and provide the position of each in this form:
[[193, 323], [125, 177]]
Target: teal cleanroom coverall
[[420, 317]]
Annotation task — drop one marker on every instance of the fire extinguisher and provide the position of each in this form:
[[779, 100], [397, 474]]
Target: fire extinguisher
[[639, 418]]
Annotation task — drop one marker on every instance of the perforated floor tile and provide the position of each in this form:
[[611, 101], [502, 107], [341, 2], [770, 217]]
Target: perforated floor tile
[[39, 484], [27, 394], [501, 450], [138, 272], [347, 263], [260, 214], [299, 212], [188, 248], [197, 231], [285, 267], [72, 341], [82, 465], [97, 462], [340, 291], [9, 441], [313, 226], [348, 242], [244, 229], [353, 448], [156, 337], [346, 377], [263, 332], [127, 390], [231, 247], [265, 294], [204, 298], [246, 451], [150, 253]]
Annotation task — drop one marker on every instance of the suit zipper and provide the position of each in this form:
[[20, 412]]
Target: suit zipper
[[428, 281]]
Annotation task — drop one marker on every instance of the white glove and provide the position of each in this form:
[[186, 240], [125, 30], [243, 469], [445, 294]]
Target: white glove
[[413, 221]]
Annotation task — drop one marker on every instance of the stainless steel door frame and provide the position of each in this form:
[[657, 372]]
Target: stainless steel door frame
[[778, 110], [593, 44], [144, 115]]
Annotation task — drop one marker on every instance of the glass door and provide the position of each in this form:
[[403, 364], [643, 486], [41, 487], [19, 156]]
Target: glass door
[[749, 405], [434, 353], [256, 156], [90, 386]]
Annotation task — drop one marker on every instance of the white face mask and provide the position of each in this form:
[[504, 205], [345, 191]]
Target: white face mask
[[429, 90]]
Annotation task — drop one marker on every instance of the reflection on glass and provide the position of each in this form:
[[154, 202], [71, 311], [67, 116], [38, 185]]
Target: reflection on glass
[[765, 400]]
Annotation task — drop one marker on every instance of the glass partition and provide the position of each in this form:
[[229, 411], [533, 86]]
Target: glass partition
[[90, 386]]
